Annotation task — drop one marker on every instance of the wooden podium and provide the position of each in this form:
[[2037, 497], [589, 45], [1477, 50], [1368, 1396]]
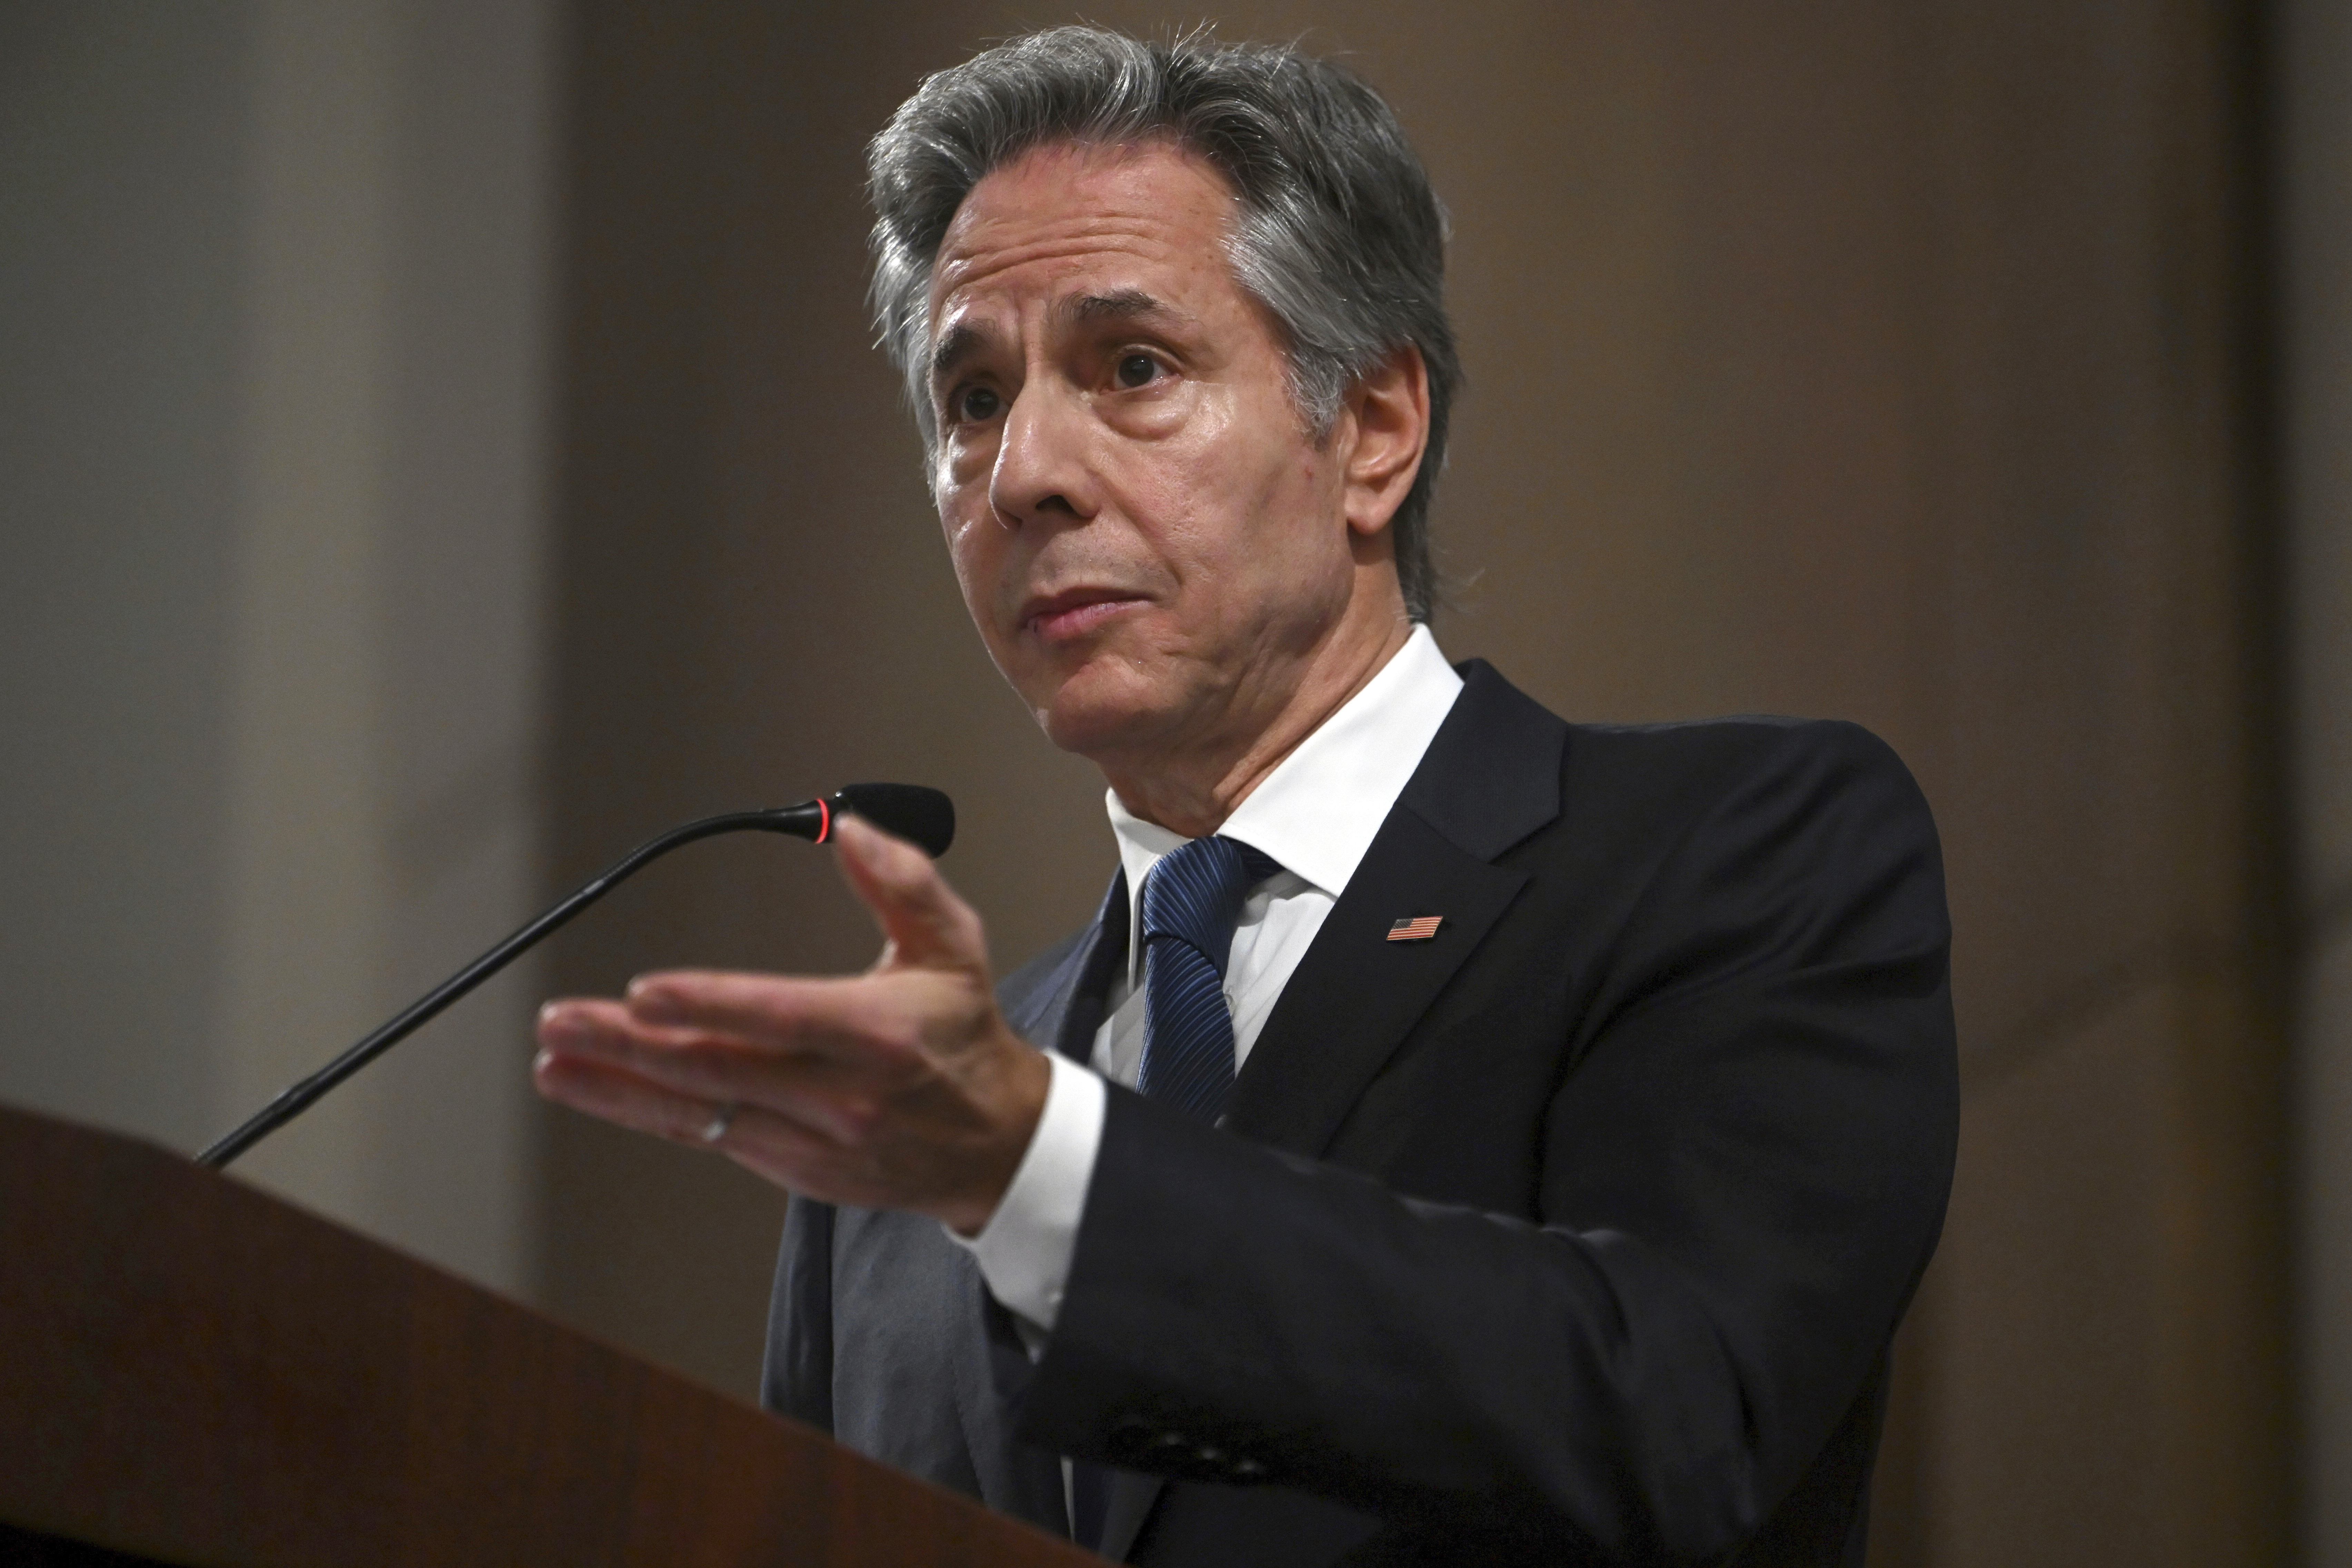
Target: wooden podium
[[192, 1371]]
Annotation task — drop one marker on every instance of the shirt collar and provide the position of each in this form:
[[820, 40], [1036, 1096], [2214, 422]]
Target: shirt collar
[[1319, 808]]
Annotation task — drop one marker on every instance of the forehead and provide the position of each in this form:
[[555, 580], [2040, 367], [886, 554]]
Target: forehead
[[1064, 217]]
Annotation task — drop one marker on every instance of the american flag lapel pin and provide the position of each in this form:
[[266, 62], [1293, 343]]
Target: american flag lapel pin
[[1416, 928]]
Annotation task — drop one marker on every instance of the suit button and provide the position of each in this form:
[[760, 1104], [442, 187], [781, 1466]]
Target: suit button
[[1248, 1469], [1210, 1454], [1172, 1440]]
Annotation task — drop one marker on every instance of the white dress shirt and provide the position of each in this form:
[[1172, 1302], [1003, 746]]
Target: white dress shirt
[[1317, 813]]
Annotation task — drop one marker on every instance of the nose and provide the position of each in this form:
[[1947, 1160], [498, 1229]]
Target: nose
[[1041, 472]]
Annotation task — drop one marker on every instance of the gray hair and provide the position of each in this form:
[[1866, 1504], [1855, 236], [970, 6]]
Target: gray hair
[[1339, 236]]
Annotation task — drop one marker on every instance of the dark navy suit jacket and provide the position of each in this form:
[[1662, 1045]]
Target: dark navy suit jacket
[[1576, 1234]]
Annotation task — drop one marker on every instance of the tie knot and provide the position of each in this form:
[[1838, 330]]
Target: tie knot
[[1195, 893]]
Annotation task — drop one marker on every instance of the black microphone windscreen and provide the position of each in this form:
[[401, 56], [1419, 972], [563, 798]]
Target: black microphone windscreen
[[924, 816]]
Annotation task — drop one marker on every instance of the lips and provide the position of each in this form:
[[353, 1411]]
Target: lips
[[1074, 611]]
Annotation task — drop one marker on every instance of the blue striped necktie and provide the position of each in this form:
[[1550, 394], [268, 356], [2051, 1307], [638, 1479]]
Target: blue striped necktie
[[1191, 901]]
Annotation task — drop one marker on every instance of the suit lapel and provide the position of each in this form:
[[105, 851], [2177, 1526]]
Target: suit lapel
[[1105, 949], [1126, 1508], [1060, 1006], [1356, 995], [1490, 777]]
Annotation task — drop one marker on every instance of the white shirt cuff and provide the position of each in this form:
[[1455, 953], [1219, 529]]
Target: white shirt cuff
[[1024, 1249]]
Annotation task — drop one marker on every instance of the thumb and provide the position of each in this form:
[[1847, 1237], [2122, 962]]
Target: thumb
[[927, 925]]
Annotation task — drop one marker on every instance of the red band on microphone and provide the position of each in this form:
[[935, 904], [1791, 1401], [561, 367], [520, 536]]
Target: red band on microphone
[[824, 822]]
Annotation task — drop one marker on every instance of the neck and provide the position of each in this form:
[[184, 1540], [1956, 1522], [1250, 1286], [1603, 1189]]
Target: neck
[[1193, 792]]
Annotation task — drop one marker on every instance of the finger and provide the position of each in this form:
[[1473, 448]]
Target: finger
[[773, 1146], [562, 1021], [615, 1095], [926, 924], [879, 1020], [785, 1153], [597, 1027], [841, 1096]]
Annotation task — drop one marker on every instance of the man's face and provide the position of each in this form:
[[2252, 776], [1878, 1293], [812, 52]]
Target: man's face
[[1150, 541]]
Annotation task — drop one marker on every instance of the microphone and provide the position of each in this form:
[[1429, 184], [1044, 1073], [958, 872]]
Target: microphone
[[924, 817]]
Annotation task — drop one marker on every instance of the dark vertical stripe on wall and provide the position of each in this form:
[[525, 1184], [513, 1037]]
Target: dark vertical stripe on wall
[[2276, 953]]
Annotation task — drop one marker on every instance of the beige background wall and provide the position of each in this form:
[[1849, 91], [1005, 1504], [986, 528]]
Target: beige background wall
[[119, 152], [273, 335]]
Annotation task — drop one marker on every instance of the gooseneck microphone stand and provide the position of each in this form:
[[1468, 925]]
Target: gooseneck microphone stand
[[910, 811]]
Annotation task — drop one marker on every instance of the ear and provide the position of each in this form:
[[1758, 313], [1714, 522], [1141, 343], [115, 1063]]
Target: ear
[[1384, 430]]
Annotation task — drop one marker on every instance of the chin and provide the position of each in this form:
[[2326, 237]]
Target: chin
[[1097, 711]]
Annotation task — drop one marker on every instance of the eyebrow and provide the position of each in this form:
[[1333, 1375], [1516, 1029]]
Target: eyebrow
[[956, 345], [961, 341], [1120, 305]]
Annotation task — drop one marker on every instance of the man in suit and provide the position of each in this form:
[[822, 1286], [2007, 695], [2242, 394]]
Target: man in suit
[[1461, 1136]]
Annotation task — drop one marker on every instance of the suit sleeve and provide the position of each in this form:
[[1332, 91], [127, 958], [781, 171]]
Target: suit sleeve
[[1747, 1160]]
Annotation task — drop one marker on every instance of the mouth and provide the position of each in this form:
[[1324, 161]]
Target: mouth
[[1075, 612]]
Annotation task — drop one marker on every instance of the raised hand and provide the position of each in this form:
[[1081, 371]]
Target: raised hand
[[900, 1088]]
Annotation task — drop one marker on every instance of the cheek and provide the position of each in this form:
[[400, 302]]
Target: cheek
[[1208, 482], [1251, 499], [976, 547], [961, 465]]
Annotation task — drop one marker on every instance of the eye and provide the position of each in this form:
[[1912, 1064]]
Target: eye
[[1135, 369], [974, 405]]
